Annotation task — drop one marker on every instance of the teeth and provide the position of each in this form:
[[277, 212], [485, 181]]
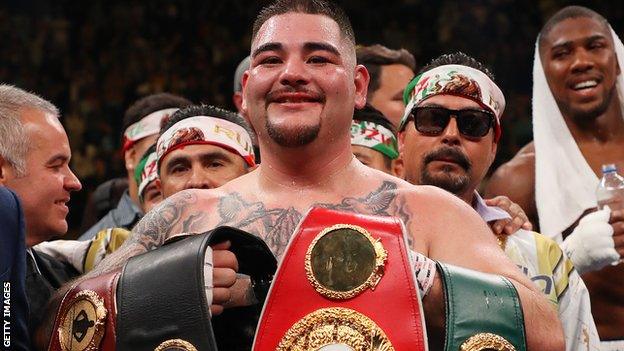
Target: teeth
[[586, 84]]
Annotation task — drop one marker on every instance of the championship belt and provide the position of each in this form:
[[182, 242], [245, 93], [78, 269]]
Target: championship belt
[[86, 317], [483, 311], [345, 283], [159, 303]]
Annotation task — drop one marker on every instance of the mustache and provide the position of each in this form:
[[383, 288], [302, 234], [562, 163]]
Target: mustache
[[450, 153], [273, 95]]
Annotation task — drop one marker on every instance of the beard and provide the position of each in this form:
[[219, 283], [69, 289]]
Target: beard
[[292, 137], [447, 179], [587, 116]]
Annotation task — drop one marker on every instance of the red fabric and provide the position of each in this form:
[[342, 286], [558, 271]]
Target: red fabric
[[106, 287], [394, 305]]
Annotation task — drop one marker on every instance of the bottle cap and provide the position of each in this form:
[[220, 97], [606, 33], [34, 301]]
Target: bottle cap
[[609, 168]]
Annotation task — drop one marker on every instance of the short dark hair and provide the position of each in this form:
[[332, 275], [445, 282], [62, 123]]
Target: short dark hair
[[567, 13], [375, 56], [370, 114], [152, 103], [313, 7], [210, 111], [457, 58]]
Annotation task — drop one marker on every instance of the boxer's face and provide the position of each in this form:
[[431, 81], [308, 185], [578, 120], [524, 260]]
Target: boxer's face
[[198, 166], [45, 188], [449, 160], [388, 98], [580, 66], [303, 80]]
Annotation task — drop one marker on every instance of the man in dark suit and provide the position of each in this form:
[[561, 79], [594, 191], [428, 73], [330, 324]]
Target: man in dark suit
[[13, 273]]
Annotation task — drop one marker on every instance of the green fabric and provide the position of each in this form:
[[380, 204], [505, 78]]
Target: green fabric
[[480, 303]]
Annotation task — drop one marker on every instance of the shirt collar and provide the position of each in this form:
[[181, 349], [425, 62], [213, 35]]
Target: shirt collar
[[488, 213]]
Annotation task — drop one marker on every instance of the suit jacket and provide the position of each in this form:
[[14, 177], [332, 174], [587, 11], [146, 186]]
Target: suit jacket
[[13, 272]]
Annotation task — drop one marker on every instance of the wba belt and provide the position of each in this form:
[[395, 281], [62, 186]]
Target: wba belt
[[483, 311], [345, 279], [158, 301]]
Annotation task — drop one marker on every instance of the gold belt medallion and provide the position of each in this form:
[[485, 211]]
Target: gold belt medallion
[[344, 260], [486, 342], [335, 328], [83, 322], [175, 345]]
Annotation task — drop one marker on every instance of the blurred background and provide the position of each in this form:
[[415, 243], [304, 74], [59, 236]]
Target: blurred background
[[94, 58]]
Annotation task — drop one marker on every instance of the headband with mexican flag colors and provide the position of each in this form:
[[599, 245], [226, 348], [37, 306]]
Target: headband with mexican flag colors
[[146, 126], [206, 130], [146, 172], [374, 136], [455, 80]]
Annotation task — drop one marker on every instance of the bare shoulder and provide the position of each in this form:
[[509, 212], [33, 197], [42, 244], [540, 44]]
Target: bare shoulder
[[516, 180], [436, 219]]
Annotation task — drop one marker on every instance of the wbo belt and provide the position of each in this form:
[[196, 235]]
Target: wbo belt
[[345, 281], [158, 301]]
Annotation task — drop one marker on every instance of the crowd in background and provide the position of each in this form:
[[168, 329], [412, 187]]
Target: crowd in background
[[92, 59]]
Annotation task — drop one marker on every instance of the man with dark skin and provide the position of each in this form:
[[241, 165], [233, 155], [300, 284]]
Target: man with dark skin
[[299, 93], [578, 55]]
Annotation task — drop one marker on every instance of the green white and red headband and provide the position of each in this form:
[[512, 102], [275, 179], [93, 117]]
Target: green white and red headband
[[374, 136], [206, 130], [455, 80], [146, 172], [146, 126]]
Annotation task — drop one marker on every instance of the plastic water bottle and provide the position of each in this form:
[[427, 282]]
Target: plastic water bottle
[[611, 188]]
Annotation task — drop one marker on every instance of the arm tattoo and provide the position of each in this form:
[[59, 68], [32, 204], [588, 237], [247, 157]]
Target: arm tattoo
[[275, 226], [159, 223]]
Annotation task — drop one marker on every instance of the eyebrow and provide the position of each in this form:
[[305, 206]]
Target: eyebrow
[[59, 157], [567, 43], [314, 46], [309, 46], [267, 47], [203, 157]]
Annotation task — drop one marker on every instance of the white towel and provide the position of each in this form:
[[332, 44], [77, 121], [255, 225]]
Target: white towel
[[565, 184]]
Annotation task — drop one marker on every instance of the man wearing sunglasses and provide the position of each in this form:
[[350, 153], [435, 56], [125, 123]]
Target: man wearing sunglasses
[[448, 138]]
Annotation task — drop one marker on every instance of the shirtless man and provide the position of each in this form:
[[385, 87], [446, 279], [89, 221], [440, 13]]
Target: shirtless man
[[299, 94], [580, 68]]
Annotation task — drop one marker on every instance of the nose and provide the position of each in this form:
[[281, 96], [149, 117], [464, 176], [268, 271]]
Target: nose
[[582, 61], [294, 73], [200, 179], [450, 135], [71, 181]]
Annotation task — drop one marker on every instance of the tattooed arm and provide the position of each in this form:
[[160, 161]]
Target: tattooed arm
[[173, 215]]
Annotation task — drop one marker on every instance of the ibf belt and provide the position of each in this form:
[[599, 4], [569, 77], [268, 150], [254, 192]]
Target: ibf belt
[[483, 311], [345, 283]]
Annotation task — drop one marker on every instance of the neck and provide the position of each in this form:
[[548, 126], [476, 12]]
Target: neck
[[315, 165], [467, 196], [607, 127]]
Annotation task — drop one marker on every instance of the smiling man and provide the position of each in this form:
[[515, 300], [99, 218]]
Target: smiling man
[[578, 126], [299, 94], [34, 163]]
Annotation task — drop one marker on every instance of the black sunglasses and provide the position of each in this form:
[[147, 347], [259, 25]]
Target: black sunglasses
[[472, 123]]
